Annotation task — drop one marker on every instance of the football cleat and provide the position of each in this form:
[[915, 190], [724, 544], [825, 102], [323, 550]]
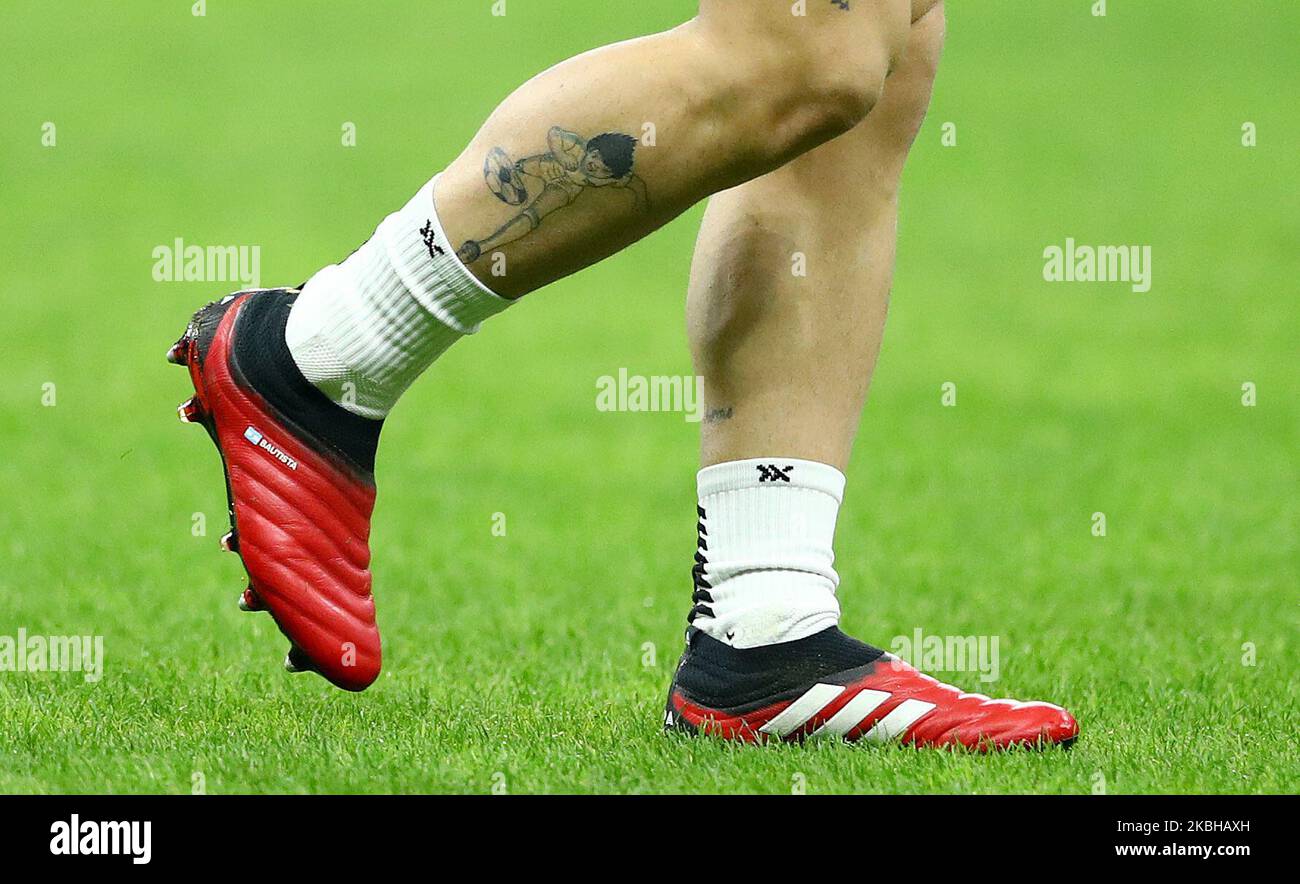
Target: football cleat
[[300, 484], [831, 685]]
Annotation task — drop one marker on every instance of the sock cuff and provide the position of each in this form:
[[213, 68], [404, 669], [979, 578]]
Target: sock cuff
[[426, 263], [773, 472]]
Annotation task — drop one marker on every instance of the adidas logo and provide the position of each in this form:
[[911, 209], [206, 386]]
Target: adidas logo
[[256, 438], [850, 716]]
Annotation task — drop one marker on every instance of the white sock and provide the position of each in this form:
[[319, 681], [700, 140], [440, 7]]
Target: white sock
[[363, 330], [766, 527]]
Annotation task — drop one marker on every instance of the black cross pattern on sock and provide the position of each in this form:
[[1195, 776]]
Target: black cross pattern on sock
[[773, 473], [430, 239]]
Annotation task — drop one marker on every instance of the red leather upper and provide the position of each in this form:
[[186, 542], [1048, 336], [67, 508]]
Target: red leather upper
[[967, 719], [303, 529]]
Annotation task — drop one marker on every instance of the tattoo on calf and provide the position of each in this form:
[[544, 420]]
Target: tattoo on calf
[[547, 182]]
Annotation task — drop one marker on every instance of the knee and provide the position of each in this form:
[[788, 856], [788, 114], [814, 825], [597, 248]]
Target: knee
[[805, 80], [838, 95], [907, 97], [835, 82], [891, 78]]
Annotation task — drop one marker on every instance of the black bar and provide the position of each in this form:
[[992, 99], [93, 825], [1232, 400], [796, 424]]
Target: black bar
[[753, 835]]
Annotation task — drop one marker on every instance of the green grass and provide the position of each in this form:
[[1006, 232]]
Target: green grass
[[523, 654]]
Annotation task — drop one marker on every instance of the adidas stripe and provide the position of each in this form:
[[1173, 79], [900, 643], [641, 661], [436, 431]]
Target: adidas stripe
[[893, 725]]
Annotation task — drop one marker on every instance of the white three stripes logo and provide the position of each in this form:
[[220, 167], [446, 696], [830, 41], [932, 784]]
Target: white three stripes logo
[[816, 698]]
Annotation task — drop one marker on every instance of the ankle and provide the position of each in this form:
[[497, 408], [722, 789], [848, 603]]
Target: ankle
[[362, 331]]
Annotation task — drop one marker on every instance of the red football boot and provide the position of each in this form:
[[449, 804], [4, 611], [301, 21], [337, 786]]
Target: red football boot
[[299, 483], [829, 684]]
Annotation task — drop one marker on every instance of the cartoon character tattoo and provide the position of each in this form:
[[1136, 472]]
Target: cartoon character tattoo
[[547, 182]]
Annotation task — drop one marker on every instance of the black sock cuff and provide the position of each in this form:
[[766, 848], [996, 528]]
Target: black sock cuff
[[719, 676]]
